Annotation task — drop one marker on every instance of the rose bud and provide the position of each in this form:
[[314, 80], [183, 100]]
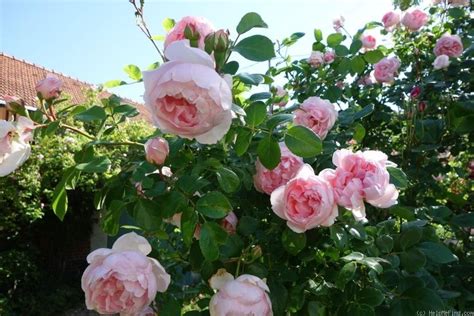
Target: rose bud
[[415, 92], [156, 150], [229, 223], [198, 29], [441, 62], [421, 107], [49, 88]]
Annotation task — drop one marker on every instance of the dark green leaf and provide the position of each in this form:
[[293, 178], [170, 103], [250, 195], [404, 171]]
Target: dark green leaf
[[341, 50], [338, 235], [145, 213], [242, 142], [98, 165], [373, 56], [346, 274], [231, 68], [269, 152], [318, 35], [214, 205], [398, 177], [171, 203], [293, 242], [437, 252], [249, 21], [410, 237], [303, 142], [278, 119], [357, 64], [335, 39], [94, 113], [412, 260], [256, 113], [370, 296], [228, 180], [385, 243], [256, 48], [252, 79], [464, 220], [247, 225]]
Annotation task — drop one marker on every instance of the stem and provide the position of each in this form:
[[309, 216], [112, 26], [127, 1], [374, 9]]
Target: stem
[[237, 271], [124, 143], [77, 130]]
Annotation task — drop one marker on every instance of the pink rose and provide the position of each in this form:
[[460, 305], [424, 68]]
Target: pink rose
[[229, 223], [414, 20], [329, 57], [282, 95], [197, 25], [317, 114], [316, 59], [50, 87], [268, 180], [391, 20], [386, 69], [123, 279], [361, 176], [365, 81], [441, 62], [368, 41], [186, 97], [338, 23], [449, 45], [246, 295], [157, 150], [305, 202], [14, 144]]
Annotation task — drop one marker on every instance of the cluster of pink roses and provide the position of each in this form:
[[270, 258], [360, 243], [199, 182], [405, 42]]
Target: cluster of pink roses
[[317, 58]]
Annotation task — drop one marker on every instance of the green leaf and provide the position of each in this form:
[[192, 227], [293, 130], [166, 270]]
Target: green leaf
[[398, 177], [437, 252], [359, 132], [461, 116], [412, 260], [158, 38], [384, 243], [403, 212], [110, 221], [231, 68], [247, 225], [303, 142], [133, 72], [252, 79], [354, 256], [242, 142], [94, 113], [372, 263], [256, 113], [268, 152], [114, 83], [250, 21], [356, 45], [211, 236], [335, 39], [256, 48], [279, 119], [293, 242], [346, 274], [171, 308], [341, 50], [96, 165], [168, 24], [429, 131], [228, 180], [463, 220], [424, 299], [370, 296], [289, 41], [146, 216], [373, 56], [214, 205], [355, 309], [338, 235], [260, 96], [189, 220], [51, 129], [357, 64], [318, 35], [171, 203], [410, 237]]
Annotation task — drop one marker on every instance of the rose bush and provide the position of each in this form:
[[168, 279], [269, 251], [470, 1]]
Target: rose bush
[[354, 198]]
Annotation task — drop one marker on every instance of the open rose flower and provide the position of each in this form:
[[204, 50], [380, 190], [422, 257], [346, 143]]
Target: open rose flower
[[305, 202], [338, 23], [245, 296], [157, 150], [449, 45], [329, 56], [197, 25], [268, 180], [317, 114], [414, 20], [368, 41], [391, 20], [316, 59], [50, 87], [361, 176], [187, 97], [14, 144], [123, 279], [386, 69], [441, 62]]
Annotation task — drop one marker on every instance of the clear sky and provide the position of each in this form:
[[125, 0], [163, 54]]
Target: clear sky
[[93, 40]]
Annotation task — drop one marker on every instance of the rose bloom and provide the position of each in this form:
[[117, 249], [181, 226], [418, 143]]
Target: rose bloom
[[157, 150], [361, 176], [386, 69], [368, 41], [329, 56], [415, 19], [187, 97], [316, 59], [441, 62], [305, 202], [245, 296], [49, 88], [229, 223], [449, 45], [14, 144], [365, 80], [281, 93], [391, 20], [123, 279], [317, 114], [338, 23], [268, 180], [197, 24]]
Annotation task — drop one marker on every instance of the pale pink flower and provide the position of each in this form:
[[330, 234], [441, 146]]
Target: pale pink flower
[[197, 25], [391, 20], [245, 296], [282, 94], [441, 62], [316, 59], [361, 176], [368, 41], [229, 223], [415, 19], [14, 144], [386, 69], [365, 80], [123, 279], [329, 56], [338, 23], [449, 45], [50, 87], [187, 97], [268, 180], [317, 114], [305, 202], [157, 149]]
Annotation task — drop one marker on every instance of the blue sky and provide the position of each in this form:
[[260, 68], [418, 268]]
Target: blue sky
[[93, 40]]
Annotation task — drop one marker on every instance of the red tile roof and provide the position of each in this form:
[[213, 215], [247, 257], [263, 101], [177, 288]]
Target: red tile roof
[[19, 77]]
